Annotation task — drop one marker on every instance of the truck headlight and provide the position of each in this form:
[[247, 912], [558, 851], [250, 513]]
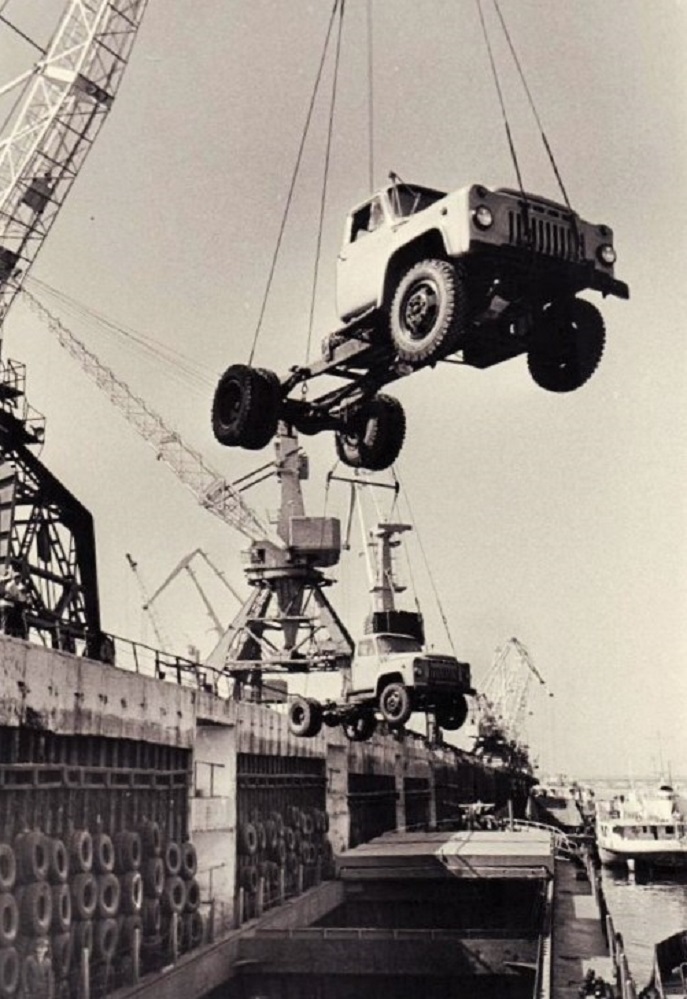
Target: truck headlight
[[483, 217], [606, 254], [419, 669]]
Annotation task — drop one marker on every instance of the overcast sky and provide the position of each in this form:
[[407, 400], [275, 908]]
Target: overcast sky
[[561, 520]]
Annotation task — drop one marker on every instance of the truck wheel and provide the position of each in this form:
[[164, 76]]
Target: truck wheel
[[305, 717], [374, 436], [245, 408], [427, 312], [452, 716], [394, 704], [360, 728], [569, 341]]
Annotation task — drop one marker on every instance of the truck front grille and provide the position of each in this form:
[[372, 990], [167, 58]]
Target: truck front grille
[[552, 237], [444, 673]]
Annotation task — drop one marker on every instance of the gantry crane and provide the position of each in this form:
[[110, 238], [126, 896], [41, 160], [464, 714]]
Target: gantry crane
[[502, 705], [58, 108]]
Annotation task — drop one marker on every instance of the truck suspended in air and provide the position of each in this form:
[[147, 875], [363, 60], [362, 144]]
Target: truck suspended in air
[[476, 276]]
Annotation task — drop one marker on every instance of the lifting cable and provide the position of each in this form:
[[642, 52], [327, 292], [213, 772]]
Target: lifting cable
[[19, 32], [501, 100], [429, 571], [549, 151], [189, 372], [292, 186], [323, 197], [370, 96]]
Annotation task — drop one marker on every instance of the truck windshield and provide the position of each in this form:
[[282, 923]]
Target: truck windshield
[[397, 643], [406, 200]]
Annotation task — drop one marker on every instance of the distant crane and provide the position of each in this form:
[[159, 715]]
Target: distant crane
[[502, 704], [161, 639], [185, 564]]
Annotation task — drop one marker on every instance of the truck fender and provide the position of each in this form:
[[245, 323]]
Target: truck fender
[[430, 244]]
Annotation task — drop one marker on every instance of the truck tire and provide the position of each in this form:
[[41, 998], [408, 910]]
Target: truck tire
[[427, 313], [305, 717], [360, 728], [452, 716], [567, 345], [394, 704], [374, 436], [245, 408]]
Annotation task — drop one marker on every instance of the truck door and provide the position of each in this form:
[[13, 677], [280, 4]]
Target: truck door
[[361, 263]]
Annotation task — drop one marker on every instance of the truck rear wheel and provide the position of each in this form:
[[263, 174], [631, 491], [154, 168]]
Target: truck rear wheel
[[427, 312], [373, 437], [394, 704], [452, 716], [568, 343], [245, 408], [360, 727], [305, 717]]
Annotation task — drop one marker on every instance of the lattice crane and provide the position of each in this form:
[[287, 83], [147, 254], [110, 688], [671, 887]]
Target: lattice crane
[[502, 703], [66, 98], [56, 110]]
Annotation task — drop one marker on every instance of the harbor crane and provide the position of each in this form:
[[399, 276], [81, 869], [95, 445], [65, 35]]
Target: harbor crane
[[56, 109], [502, 704], [287, 624]]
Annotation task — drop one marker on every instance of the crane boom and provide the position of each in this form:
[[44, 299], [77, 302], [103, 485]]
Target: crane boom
[[212, 491], [67, 96]]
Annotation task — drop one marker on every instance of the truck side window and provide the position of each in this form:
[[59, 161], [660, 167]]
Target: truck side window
[[367, 219], [365, 647]]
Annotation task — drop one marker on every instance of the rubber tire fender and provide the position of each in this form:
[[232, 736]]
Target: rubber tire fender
[[128, 851], [428, 280], [10, 971], [189, 861], [151, 838], [61, 908], [395, 705], [131, 885], [109, 895], [105, 939], [103, 854], [192, 903], [84, 891], [58, 862], [248, 839], [8, 867], [172, 858], [174, 895], [81, 851], [9, 919], [153, 874], [35, 909], [31, 851]]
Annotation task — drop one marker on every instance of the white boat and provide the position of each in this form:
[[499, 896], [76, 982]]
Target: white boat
[[643, 827]]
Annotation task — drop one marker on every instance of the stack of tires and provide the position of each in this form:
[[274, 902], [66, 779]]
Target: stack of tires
[[172, 895], [284, 852], [92, 892]]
